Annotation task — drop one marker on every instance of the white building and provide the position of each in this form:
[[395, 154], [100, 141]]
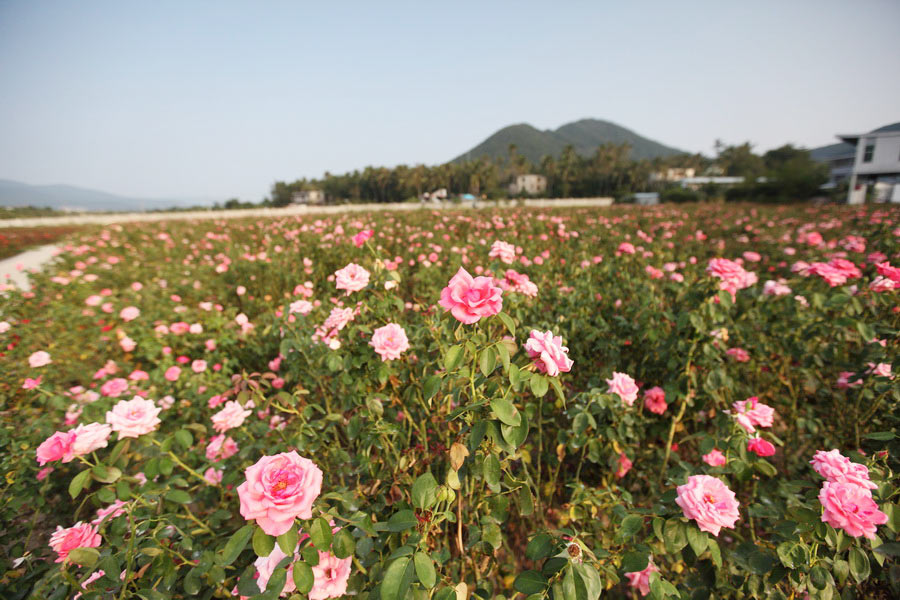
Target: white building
[[695, 183], [876, 165], [673, 174], [308, 197], [528, 184]]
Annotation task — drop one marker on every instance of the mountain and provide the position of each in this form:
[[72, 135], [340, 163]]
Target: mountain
[[67, 197], [585, 135]]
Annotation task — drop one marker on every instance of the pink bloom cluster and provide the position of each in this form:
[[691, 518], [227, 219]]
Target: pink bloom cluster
[[734, 277], [751, 413], [231, 416], [360, 238], [469, 299], [351, 278], [709, 502], [389, 341], [846, 495], [336, 321], [641, 579], [330, 575], [80, 535], [655, 400], [548, 353], [836, 271], [278, 489], [518, 283], [504, 251], [133, 418]]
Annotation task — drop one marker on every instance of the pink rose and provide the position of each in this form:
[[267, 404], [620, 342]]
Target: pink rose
[[278, 489], [220, 448], [80, 535], [886, 270], [133, 418], [641, 579], [94, 577], [39, 359], [837, 468], [504, 251], [389, 341], [468, 299], [623, 386], [625, 465], [751, 413], [172, 373], [231, 416], [850, 507], [112, 511], [198, 366], [266, 565], [709, 502], [760, 446], [715, 458], [738, 354], [655, 400], [114, 387], [56, 447], [548, 353], [360, 238], [129, 313], [213, 476], [30, 383], [90, 437], [351, 278], [331, 575]]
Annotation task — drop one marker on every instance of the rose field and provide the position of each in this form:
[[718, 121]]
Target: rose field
[[695, 401]]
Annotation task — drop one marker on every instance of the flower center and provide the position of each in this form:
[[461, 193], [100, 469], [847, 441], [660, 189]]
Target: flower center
[[710, 498], [280, 485]]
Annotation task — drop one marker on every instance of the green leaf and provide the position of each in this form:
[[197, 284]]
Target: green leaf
[[453, 357], [506, 411], [236, 544], [431, 386], [675, 533], [263, 543], [320, 534], [184, 438], [881, 436], [888, 549], [818, 577], [841, 570], [397, 578], [178, 496], [401, 520], [539, 385], [503, 353], [697, 539], [424, 490], [86, 557], [526, 501], [530, 582], [492, 471], [287, 541], [510, 324], [276, 583], [487, 361], [303, 577], [310, 555], [715, 553], [79, 482], [634, 561], [859, 565], [631, 525], [106, 474], [343, 544], [425, 570], [557, 387], [540, 546]]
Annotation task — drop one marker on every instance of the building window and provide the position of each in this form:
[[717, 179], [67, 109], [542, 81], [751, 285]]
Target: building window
[[869, 151]]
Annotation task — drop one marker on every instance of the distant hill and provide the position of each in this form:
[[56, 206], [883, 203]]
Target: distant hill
[[585, 135], [67, 197]]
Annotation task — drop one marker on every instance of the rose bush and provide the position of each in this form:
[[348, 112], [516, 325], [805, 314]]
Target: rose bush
[[690, 402]]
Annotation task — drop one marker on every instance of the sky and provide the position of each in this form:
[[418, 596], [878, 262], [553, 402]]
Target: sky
[[219, 99]]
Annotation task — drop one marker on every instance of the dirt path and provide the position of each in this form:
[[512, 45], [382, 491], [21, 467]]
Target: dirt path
[[15, 269]]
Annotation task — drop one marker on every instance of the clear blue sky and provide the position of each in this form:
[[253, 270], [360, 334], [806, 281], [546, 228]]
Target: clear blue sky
[[220, 99]]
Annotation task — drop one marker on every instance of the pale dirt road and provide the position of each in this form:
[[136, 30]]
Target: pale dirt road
[[14, 270]]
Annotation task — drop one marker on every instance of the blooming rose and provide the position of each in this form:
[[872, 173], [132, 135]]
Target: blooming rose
[[389, 341], [624, 386], [198, 366], [56, 447], [80, 535], [212, 476], [469, 299], [172, 373], [504, 251], [114, 387], [738, 354], [265, 567], [625, 465], [885, 269], [641, 579], [715, 458], [851, 508], [94, 577], [351, 278], [836, 467], [360, 238], [278, 489], [90, 437], [709, 502], [112, 511], [548, 353], [132, 418], [760, 446], [231, 416], [331, 575], [129, 313], [31, 383], [39, 359], [220, 448], [752, 413], [655, 400]]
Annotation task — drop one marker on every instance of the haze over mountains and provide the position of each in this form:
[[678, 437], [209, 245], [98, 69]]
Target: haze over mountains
[[584, 135], [71, 198]]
